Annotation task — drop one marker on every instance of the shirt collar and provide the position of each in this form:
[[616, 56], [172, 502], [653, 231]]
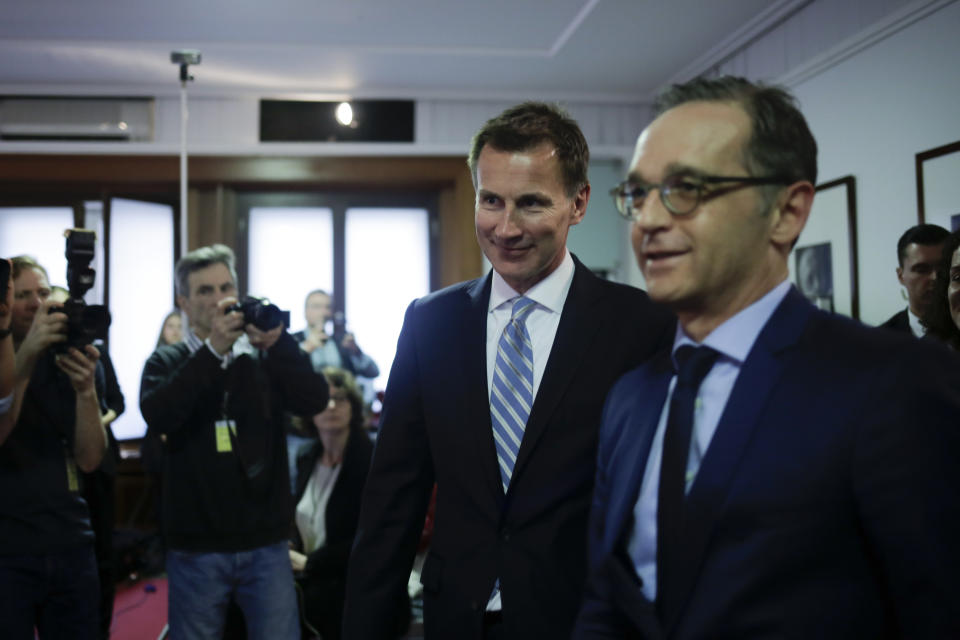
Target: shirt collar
[[916, 326], [550, 293], [190, 338], [734, 338]]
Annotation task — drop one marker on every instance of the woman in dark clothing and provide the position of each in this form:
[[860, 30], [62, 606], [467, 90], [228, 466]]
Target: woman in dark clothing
[[331, 475]]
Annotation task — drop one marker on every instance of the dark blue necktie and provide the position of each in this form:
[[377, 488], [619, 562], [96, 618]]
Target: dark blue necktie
[[694, 364]]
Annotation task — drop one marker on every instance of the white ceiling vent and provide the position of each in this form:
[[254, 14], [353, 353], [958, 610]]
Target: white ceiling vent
[[68, 118]]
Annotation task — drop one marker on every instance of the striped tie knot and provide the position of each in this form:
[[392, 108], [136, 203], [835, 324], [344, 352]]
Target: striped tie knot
[[522, 307]]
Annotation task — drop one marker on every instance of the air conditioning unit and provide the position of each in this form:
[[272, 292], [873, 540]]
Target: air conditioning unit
[[67, 118]]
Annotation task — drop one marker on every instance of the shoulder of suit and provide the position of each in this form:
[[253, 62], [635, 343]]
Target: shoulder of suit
[[452, 294], [843, 340]]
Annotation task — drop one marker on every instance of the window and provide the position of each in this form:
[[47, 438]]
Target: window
[[290, 253], [138, 284], [37, 232], [371, 251], [141, 295], [387, 266]]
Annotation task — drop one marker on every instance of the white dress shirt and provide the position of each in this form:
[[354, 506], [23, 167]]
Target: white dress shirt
[[733, 340], [550, 294]]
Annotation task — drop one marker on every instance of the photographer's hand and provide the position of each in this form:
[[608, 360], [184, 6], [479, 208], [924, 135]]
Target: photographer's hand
[[90, 440], [49, 327], [349, 344], [263, 339], [80, 367], [313, 340], [226, 327]]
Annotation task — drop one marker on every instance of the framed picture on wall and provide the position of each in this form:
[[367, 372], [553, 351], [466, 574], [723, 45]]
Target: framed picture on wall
[[938, 186], [824, 264]]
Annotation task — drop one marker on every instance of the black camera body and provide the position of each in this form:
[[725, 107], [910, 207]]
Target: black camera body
[[85, 323], [261, 313]]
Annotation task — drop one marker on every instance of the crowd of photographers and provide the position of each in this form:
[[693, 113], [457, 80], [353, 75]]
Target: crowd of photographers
[[218, 394]]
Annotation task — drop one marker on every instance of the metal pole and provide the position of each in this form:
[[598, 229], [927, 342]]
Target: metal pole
[[183, 167]]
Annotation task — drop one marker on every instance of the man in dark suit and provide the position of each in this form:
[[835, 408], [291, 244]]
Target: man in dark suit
[[795, 477], [495, 394], [918, 252]]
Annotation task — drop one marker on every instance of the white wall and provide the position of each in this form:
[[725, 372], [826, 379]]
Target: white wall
[[871, 114], [878, 82]]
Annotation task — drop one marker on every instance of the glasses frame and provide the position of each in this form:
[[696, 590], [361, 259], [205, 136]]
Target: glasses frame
[[629, 212]]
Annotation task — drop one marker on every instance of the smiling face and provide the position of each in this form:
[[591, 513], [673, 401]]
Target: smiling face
[[720, 257], [523, 213]]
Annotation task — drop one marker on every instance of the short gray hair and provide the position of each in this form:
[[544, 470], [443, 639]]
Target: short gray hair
[[201, 259]]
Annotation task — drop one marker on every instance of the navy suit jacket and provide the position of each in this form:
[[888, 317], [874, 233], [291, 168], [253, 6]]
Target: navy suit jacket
[[900, 321], [827, 504], [436, 427]]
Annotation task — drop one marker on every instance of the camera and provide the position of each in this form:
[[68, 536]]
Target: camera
[[261, 313], [85, 323]]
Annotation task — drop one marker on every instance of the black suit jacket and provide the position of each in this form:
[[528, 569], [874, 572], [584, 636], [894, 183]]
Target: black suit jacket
[[826, 506], [899, 321], [436, 427]]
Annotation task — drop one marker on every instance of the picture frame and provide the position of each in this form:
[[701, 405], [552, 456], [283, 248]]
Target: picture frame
[[824, 263], [938, 190]]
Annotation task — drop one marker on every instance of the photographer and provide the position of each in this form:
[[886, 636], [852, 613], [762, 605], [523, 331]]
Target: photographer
[[218, 397], [48, 574]]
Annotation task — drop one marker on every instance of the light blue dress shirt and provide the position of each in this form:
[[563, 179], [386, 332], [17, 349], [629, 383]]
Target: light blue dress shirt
[[733, 340]]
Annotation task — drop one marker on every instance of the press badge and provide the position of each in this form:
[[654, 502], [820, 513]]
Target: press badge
[[223, 429], [73, 481]]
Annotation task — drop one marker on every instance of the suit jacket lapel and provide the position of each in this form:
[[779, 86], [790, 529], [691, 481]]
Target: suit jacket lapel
[[579, 321], [747, 402], [631, 448], [476, 409]]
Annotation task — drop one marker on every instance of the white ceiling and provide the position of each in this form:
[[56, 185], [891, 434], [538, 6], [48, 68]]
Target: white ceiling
[[602, 49]]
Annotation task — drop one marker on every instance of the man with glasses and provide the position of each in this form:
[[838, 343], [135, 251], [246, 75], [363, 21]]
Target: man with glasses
[[495, 395], [781, 470]]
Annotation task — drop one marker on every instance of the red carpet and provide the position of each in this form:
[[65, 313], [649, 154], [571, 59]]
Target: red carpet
[[140, 610]]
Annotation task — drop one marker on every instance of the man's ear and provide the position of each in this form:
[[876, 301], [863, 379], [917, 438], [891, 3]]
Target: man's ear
[[181, 303], [792, 212], [580, 201], [900, 275]]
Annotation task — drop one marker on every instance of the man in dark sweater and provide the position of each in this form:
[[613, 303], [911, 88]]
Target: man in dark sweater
[[218, 397]]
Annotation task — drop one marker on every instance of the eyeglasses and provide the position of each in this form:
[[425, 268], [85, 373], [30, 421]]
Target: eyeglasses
[[680, 193]]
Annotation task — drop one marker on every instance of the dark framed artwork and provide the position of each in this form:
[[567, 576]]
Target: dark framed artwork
[[938, 185], [825, 258]]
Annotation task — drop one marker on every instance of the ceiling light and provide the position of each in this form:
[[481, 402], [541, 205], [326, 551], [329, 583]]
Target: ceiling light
[[344, 113]]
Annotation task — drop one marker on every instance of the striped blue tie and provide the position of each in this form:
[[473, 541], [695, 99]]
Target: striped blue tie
[[511, 395]]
